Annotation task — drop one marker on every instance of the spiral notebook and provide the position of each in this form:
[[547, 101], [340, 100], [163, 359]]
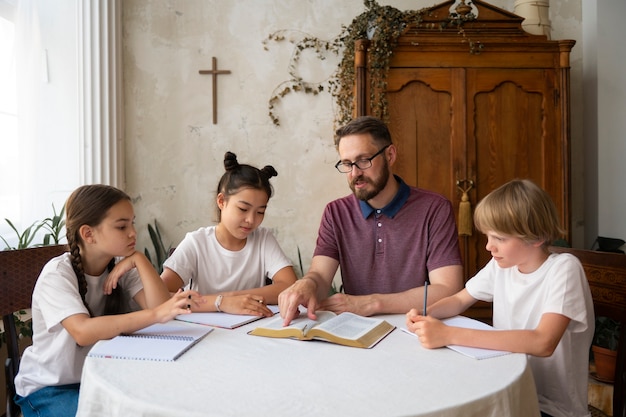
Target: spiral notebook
[[158, 342]]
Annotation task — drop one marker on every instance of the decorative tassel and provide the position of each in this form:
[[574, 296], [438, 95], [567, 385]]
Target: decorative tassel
[[465, 225]]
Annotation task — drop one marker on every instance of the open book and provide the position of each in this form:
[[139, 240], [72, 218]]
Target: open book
[[472, 352], [158, 342], [221, 319], [344, 329]]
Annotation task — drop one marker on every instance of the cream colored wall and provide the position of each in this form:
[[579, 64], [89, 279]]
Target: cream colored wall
[[174, 153]]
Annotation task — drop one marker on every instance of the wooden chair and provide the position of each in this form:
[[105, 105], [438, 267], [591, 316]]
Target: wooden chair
[[19, 270], [606, 273]]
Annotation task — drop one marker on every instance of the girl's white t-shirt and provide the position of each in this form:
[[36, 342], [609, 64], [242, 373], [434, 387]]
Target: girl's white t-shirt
[[519, 300], [215, 269], [54, 358]]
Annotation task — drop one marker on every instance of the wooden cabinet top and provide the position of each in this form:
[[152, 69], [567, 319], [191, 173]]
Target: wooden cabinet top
[[438, 42]]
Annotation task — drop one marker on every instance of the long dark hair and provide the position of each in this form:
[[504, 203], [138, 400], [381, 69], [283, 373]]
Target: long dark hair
[[238, 176], [88, 205]]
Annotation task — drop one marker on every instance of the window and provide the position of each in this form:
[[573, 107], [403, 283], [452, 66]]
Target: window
[[9, 188], [60, 123]]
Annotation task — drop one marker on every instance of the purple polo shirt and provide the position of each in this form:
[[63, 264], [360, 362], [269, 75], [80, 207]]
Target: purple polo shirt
[[392, 249]]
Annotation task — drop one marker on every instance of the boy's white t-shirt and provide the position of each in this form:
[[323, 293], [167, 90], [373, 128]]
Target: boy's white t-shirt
[[215, 269], [519, 300], [54, 358]]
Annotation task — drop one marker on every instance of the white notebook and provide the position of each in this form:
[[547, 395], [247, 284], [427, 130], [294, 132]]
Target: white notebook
[[472, 352], [223, 320], [469, 323], [158, 342]]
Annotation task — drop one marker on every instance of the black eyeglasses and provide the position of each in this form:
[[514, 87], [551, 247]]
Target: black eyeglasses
[[345, 167]]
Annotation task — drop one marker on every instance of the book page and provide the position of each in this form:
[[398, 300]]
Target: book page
[[349, 325], [301, 322], [296, 329], [345, 329], [350, 329]]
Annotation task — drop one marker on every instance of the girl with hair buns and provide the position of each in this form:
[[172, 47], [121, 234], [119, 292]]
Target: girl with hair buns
[[229, 263], [81, 297]]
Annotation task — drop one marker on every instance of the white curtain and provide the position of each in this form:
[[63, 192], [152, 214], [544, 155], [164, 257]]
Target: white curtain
[[68, 63], [30, 70]]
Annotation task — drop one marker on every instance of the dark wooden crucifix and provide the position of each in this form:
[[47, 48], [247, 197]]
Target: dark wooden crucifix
[[214, 72]]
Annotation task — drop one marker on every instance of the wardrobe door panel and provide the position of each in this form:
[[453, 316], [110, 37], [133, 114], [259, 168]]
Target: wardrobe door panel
[[511, 124], [422, 123]]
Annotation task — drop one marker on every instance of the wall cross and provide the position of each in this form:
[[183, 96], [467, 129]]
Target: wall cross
[[214, 72]]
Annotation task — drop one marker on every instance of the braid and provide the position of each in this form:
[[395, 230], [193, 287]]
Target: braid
[[114, 303], [77, 265]]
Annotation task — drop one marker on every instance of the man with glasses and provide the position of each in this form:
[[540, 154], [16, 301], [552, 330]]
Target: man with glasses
[[388, 238]]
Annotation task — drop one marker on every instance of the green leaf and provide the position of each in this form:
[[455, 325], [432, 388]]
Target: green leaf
[[160, 251]]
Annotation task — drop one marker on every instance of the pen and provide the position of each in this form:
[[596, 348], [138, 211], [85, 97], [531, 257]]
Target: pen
[[189, 296], [425, 295]]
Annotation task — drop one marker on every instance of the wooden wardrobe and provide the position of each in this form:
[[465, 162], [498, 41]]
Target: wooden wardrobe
[[473, 121]]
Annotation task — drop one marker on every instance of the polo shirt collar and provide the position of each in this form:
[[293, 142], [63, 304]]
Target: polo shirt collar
[[394, 205]]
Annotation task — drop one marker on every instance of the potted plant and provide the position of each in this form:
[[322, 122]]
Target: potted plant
[[161, 253], [604, 347], [54, 226]]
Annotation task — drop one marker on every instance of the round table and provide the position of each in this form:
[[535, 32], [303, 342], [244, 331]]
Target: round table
[[231, 373]]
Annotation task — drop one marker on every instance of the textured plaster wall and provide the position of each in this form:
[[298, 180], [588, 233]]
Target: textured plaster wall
[[174, 152]]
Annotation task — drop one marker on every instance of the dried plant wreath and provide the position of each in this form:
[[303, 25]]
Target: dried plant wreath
[[382, 25]]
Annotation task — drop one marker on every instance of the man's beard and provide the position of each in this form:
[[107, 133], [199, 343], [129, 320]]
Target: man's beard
[[378, 184]]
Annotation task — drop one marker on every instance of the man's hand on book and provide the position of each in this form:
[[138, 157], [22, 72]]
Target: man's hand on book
[[302, 292]]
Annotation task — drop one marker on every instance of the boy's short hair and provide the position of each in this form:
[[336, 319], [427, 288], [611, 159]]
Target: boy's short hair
[[519, 208]]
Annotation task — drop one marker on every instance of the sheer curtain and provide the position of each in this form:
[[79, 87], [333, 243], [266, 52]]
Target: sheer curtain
[[22, 72], [30, 73], [68, 66]]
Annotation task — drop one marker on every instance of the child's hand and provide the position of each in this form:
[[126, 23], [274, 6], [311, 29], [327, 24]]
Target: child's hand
[[116, 273], [194, 299], [179, 303], [412, 316], [245, 304], [432, 333]]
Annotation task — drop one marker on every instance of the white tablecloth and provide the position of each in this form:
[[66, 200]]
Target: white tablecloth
[[231, 373]]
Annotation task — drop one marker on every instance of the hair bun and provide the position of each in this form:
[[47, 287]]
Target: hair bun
[[269, 171], [230, 161]]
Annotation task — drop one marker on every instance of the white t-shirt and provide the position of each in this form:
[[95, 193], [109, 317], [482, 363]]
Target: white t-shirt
[[54, 358], [519, 300], [215, 269]]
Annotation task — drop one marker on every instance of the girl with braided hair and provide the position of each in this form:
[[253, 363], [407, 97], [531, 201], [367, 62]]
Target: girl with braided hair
[[229, 263], [81, 297]]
